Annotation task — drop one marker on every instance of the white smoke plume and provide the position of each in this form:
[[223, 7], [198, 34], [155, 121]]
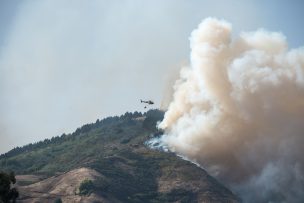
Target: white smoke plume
[[238, 111]]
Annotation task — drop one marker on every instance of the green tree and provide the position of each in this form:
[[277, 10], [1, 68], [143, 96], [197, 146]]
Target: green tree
[[58, 200], [8, 194], [86, 187]]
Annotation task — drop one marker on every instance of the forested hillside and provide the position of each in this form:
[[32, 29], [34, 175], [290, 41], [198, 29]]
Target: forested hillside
[[82, 147], [128, 170]]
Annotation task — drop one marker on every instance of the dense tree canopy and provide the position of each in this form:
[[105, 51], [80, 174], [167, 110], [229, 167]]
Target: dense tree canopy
[[7, 194]]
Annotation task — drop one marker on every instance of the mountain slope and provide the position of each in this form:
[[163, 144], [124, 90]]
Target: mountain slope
[[125, 169], [63, 186]]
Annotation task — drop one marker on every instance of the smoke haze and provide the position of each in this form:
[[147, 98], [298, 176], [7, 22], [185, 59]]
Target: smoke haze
[[238, 110], [67, 63]]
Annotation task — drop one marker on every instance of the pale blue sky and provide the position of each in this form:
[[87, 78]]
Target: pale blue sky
[[65, 63]]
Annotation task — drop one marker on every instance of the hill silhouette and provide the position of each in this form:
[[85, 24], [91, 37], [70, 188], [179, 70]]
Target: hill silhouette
[[108, 161]]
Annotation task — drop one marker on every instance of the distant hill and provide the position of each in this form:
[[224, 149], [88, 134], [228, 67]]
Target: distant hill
[[108, 161]]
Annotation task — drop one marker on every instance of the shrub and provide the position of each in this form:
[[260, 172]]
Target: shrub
[[58, 200], [86, 187]]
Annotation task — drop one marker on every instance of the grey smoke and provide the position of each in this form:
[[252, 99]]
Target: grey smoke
[[238, 110], [65, 63]]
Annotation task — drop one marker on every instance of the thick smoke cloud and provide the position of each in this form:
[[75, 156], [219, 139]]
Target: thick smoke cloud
[[238, 110]]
